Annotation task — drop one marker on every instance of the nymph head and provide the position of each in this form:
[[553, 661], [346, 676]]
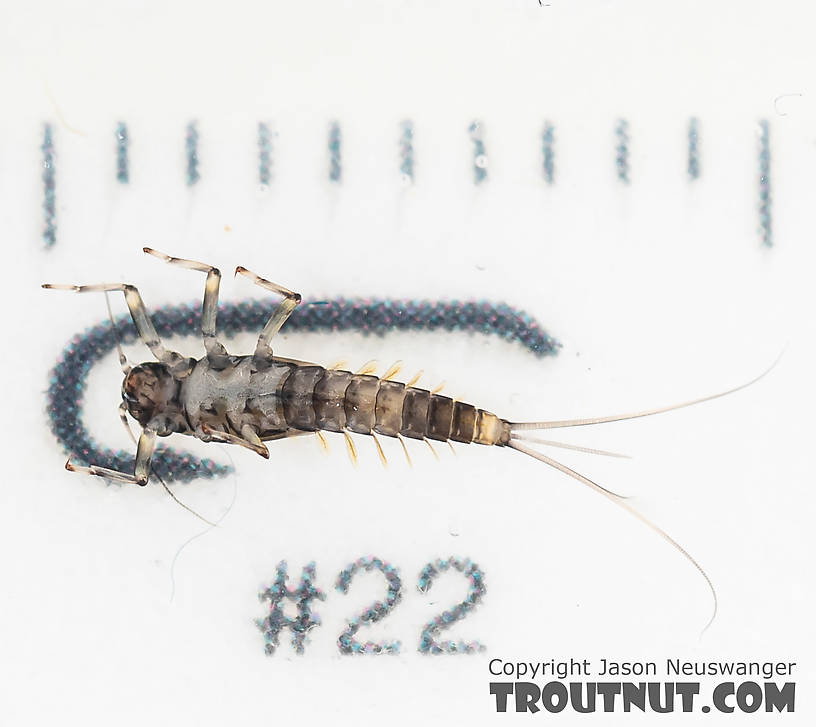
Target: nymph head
[[151, 394]]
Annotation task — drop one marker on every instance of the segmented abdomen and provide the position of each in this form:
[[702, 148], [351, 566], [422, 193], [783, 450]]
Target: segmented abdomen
[[317, 398]]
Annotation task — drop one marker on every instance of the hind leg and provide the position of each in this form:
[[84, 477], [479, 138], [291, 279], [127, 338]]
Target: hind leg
[[291, 300], [216, 353]]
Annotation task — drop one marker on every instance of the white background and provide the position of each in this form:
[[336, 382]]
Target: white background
[[659, 292]]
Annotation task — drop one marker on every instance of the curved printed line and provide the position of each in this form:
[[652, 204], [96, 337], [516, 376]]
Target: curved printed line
[[68, 379]]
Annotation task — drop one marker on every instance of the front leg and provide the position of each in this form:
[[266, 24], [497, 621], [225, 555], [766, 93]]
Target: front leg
[[138, 312], [141, 474]]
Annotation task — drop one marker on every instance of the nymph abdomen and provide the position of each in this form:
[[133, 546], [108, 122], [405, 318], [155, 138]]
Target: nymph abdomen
[[317, 398]]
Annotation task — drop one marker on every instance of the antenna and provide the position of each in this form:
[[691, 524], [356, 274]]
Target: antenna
[[123, 362]]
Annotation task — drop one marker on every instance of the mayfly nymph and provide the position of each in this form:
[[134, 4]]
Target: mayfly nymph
[[253, 399], [250, 400]]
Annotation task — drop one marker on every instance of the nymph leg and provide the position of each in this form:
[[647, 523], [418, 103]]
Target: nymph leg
[[141, 319], [216, 353], [141, 474], [263, 352], [249, 439]]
